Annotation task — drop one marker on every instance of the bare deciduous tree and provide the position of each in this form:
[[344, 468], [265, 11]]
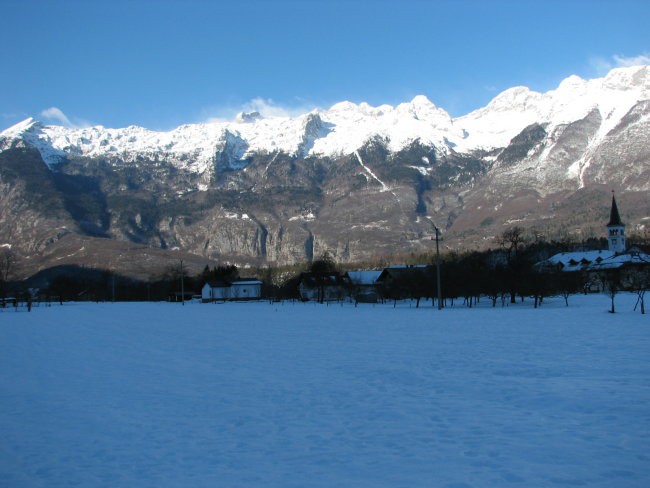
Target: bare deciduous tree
[[611, 281], [512, 239], [640, 283]]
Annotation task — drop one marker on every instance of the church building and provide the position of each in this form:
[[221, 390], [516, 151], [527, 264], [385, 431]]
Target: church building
[[616, 256], [615, 230]]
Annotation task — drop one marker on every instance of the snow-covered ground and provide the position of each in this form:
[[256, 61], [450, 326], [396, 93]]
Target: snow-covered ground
[[306, 395]]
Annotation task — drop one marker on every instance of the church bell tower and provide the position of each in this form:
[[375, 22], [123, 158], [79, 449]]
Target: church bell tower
[[615, 230]]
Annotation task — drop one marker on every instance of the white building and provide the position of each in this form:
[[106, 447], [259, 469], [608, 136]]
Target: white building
[[231, 290]]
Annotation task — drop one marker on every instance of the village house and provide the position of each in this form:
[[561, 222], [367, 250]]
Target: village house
[[364, 284], [400, 274], [244, 289], [324, 287]]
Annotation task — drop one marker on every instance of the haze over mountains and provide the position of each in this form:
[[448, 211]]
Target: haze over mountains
[[355, 180]]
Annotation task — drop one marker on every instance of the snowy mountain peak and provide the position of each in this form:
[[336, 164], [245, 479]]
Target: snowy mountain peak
[[21, 128], [516, 108], [244, 117], [29, 133], [346, 106], [422, 100], [635, 77], [421, 108], [516, 98], [572, 81]]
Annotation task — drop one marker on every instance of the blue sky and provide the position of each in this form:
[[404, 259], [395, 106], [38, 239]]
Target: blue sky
[[163, 63]]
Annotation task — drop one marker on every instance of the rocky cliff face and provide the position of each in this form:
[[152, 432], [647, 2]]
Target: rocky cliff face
[[355, 180]]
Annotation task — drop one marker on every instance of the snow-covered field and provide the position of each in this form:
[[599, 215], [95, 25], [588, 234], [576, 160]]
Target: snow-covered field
[[307, 395]]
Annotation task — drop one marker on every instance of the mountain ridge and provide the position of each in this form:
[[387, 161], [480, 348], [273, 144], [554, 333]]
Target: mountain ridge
[[354, 180], [345, 127]]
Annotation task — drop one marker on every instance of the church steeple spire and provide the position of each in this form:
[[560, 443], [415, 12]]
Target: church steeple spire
[[614, 217], [615, 229]]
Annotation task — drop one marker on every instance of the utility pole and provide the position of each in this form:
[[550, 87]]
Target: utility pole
[[182, 285], [438, 268]]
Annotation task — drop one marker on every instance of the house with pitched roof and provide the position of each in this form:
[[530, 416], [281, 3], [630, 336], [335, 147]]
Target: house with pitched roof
[[231, 290], [365, 285], [324, 287]]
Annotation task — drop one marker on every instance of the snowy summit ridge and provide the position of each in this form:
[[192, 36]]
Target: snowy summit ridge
[[345, 127]]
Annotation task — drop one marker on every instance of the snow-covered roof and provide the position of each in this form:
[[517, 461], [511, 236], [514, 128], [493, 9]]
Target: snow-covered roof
[[225, 284], [364, 277], [407, 266], [630, 257], [597, 260], [578, 260], [401, 270]]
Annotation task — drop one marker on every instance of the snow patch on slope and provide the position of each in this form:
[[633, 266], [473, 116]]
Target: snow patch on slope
[[384, 187]]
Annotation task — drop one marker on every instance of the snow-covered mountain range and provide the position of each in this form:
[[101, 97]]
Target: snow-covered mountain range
[[354, 180], [346, 127]]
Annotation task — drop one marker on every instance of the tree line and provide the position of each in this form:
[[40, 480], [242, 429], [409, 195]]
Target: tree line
[[502, 275]]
